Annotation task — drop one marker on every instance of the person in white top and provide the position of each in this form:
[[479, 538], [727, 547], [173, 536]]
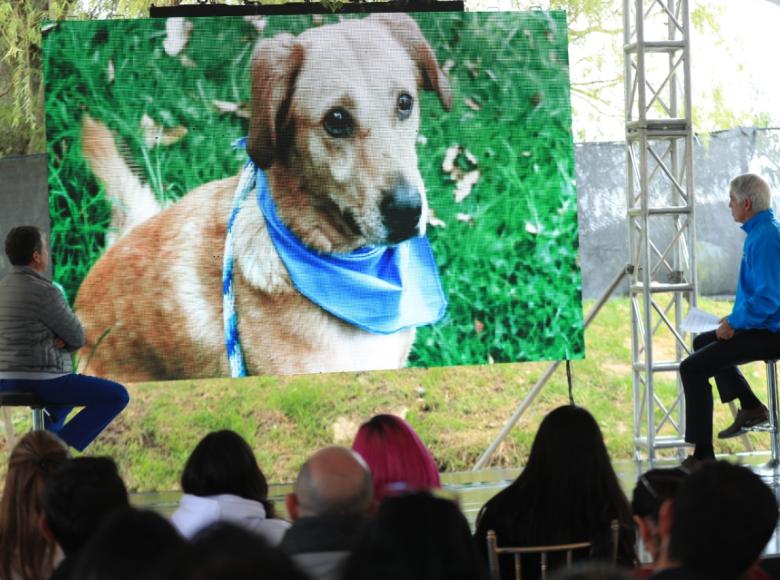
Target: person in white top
[[223, 483]]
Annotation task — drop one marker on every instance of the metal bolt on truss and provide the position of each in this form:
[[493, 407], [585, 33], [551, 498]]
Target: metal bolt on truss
[[659, 157]]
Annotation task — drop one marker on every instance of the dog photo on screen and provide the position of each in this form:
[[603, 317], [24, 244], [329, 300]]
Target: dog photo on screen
[[301, 194]]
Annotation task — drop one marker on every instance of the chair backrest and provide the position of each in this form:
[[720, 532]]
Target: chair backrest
[[494, 551]]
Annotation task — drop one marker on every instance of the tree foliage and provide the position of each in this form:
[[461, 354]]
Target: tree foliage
[[595, 37], [21, 81]]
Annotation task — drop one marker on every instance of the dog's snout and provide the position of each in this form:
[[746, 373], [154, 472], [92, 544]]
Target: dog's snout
[[401, 210]]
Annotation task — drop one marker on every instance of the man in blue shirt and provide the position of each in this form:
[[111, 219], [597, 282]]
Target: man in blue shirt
[[750, 333]]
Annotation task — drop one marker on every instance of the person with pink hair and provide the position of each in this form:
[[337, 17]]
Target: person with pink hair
[[397, 457]]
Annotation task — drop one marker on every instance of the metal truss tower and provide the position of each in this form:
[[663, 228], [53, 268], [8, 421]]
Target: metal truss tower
[[661, 236]]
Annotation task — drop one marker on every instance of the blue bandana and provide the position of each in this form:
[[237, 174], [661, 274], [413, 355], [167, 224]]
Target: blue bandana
[[380, 289]]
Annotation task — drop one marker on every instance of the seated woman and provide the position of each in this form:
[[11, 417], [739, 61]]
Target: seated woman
[[416, 536], [567, 492], [652, 489], [25, 552], [396, 456], [222, 482], [130, 544]]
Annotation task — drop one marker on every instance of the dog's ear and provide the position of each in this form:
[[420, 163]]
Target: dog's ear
[[275, 65], [406, 32]]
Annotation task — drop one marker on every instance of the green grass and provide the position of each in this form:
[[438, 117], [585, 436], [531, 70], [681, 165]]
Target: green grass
[[457, 411], [511, 274]]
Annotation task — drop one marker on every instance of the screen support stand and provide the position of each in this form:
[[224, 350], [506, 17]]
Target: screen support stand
[[482, 462]]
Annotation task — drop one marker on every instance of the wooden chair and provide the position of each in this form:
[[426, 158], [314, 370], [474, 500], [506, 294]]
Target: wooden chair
[[494, 551]]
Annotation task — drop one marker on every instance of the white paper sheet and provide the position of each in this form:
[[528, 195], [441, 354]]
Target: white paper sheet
[[700, 321]]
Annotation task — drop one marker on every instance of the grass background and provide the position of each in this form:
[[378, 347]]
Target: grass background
[[511, 273], [457, 411]]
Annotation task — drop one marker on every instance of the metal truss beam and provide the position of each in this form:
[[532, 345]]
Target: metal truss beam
[[660, 196]]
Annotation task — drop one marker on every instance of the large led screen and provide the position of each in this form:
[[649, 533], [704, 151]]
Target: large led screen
[[300, 194]]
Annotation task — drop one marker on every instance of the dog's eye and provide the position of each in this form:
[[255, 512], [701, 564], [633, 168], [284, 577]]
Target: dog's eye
[[338, 123], [405, 106]]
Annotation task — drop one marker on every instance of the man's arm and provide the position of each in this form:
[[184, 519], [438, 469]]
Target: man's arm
[[57, 315], [765, 300]]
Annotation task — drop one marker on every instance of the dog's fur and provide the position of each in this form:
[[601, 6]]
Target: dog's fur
[[158, 287]]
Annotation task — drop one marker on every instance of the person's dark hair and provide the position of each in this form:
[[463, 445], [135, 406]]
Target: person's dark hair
[[653, 488], [24, 550], [416, 537], [567, 492], [723, 517], [224, 463], [594, 571], [224, 550], [129, 544], [20, 244], [78, 496]]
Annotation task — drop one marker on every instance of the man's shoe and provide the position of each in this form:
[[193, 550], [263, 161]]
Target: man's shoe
[[745, 419]]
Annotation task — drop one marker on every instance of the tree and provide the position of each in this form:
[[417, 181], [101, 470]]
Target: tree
[[21, 81], [595, 48]]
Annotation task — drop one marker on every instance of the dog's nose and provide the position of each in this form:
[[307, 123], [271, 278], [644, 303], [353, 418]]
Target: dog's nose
[[401, 210]]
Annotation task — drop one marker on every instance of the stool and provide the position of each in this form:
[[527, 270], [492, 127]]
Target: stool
[[25, 399], [771, 387]]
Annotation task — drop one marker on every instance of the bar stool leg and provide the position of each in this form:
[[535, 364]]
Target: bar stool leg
[[771, 386], [37, 419]]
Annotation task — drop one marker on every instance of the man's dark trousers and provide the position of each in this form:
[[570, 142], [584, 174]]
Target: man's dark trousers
[[102, 401], [719, 359]]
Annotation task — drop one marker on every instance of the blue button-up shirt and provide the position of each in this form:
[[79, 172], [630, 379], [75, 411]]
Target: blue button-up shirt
[[757, 304]]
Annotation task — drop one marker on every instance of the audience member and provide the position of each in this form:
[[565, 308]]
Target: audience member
[[567, 492], [224, 551], [38, 334], [25, 552], [329, 504], [222, 482], [79, 495], [396, 456], [416, 537], [652, 489], [130, 544], [593, 571], [717, 526]]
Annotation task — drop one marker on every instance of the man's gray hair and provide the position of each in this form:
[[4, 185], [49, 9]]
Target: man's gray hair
[[751, 186], [335, 481]]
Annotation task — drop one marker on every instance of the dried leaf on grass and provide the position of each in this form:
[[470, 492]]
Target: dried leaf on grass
[[465, 185], [228, 107], [473, 68], [259, 22], [448, 165], [433, 221], [155, 134], [177, 34], [464, 179], [472, 104], [479, 326]]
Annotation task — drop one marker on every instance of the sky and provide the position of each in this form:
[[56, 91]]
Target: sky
[[738, 62]]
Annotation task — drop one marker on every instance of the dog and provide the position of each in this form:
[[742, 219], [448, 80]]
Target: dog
[[334, 122]]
